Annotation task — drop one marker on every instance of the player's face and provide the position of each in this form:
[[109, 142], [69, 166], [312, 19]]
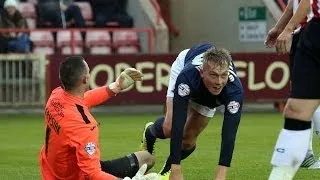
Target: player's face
[[215, 77]]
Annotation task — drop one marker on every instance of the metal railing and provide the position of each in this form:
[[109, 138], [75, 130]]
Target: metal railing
[[22, 80]]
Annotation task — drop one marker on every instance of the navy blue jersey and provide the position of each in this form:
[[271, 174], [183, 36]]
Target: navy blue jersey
[[189, 86]]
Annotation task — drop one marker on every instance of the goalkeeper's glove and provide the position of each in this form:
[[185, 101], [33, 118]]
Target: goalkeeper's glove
[[140, 175], [125, 80]]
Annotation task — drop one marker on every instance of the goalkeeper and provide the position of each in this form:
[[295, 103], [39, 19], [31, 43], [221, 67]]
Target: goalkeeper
[[71, 150]]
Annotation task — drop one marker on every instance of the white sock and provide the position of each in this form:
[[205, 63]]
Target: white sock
[[316, 121], [289, 152], [282, 173], [310, 150]]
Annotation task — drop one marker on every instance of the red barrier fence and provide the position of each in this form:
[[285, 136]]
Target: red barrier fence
[[265, 76]]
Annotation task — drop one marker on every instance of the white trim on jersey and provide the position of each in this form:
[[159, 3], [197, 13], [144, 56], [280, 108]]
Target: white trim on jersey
[[232, 72], [304, 21], [315, 9]]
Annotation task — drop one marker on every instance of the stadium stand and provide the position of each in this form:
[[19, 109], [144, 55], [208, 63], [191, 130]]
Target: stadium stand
[[28, 11], [108, 41], [64, 42], [98, 42], [43, 42], [126, 42], [86, 12]]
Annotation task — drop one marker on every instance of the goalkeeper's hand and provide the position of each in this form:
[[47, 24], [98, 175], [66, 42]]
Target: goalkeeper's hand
[[140, 175], [126, 79]]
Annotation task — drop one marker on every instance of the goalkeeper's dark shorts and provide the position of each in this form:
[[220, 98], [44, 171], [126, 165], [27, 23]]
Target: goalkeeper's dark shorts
[[121, 167], [306, 68]]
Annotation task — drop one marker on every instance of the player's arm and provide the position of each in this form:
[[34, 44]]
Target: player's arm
[[280, 25], [283, 39], [232, 115], [182, 92], [301, 13], [99, 95], [285, 17], [86, 145]]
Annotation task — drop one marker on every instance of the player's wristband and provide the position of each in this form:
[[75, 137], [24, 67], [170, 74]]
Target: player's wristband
[[115, 87]]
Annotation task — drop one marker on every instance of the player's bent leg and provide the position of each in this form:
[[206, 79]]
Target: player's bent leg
[[195, 124], [144, 157], [127, 165], [293, 140], [161, 129], [167, 124], [121, 167], [301, 109]]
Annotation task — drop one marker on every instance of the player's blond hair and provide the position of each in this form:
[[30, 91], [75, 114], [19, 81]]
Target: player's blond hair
[[221, 56]]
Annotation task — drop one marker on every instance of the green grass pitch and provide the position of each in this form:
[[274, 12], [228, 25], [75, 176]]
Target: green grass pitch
[[22, 136]]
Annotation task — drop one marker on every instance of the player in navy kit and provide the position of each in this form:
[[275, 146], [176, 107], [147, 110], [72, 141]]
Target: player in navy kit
[[202, 78]]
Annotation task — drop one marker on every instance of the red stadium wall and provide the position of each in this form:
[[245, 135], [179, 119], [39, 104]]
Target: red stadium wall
[[265, 76]]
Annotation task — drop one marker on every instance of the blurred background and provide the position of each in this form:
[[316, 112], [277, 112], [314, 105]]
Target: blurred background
[[36, 35]]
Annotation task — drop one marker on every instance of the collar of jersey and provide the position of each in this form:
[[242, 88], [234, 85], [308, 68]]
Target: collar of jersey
[[75, 99]]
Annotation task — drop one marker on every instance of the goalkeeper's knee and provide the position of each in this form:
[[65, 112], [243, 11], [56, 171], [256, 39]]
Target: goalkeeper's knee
[[144, 157]]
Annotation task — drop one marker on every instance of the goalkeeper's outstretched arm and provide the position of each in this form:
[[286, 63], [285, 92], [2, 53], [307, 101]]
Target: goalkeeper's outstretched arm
[[97, 96]]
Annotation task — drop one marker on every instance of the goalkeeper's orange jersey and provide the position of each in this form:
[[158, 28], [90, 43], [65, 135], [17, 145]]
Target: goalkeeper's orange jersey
[[71, 150]]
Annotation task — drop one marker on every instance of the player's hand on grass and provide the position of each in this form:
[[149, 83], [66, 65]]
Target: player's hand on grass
[[176, 172], [140, 175], [272, 36], [283, 42], [219, 178], [126, 79], [221, 172]]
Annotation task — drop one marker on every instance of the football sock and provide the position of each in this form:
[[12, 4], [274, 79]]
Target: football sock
[[156, 130], [316, 121], [290, 149], [187, 152], [121, 167], [310, 149], [184, 154], [167, 166], [282, 173], [309, 158]]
